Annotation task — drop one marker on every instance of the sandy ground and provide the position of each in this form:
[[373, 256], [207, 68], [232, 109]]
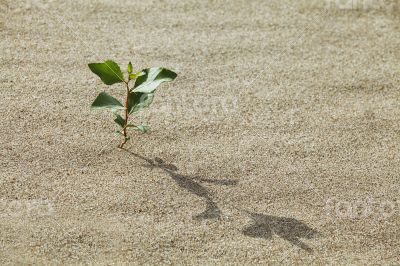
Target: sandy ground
[[278, 143]]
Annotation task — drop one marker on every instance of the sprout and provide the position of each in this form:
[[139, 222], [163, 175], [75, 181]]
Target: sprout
[[138, 97]]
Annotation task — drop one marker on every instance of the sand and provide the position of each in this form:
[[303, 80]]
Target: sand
[[278, 143]]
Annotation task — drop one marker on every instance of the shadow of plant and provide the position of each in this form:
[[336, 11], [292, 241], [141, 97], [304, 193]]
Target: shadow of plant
[[263, 226], [190, 184], [292, 230]]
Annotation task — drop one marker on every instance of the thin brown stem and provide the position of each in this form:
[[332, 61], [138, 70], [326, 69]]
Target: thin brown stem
[[125, 131]]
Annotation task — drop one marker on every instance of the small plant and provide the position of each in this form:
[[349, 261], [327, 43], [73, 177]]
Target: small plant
[[138, 97]]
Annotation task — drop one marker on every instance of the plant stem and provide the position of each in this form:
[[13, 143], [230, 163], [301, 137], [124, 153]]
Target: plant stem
[[126, 117]]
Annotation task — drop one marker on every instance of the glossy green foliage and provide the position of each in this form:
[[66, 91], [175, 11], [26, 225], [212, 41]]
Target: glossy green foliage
[[105, 101], [138, 97], [109, 72], [152, 78]]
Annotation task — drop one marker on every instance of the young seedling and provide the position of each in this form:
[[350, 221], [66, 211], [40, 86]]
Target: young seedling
[[138, 97]]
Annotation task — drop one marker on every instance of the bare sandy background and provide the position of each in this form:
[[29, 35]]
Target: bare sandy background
[[278, 143]]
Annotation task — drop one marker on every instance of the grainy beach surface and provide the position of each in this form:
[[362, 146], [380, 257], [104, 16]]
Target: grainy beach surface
[[278, 143]]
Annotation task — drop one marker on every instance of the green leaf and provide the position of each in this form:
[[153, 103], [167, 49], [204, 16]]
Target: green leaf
[[109, 72], [137, 74], [130, 68], [104, 100], [141, 128], [152, 78], [119, 120], [138, 101]]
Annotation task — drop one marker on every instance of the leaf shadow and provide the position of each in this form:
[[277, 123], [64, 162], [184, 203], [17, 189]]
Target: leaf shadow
[[191, 184], [290, 229]]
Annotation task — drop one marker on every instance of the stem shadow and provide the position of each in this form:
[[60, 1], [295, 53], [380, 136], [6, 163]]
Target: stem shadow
[[190, 184]]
